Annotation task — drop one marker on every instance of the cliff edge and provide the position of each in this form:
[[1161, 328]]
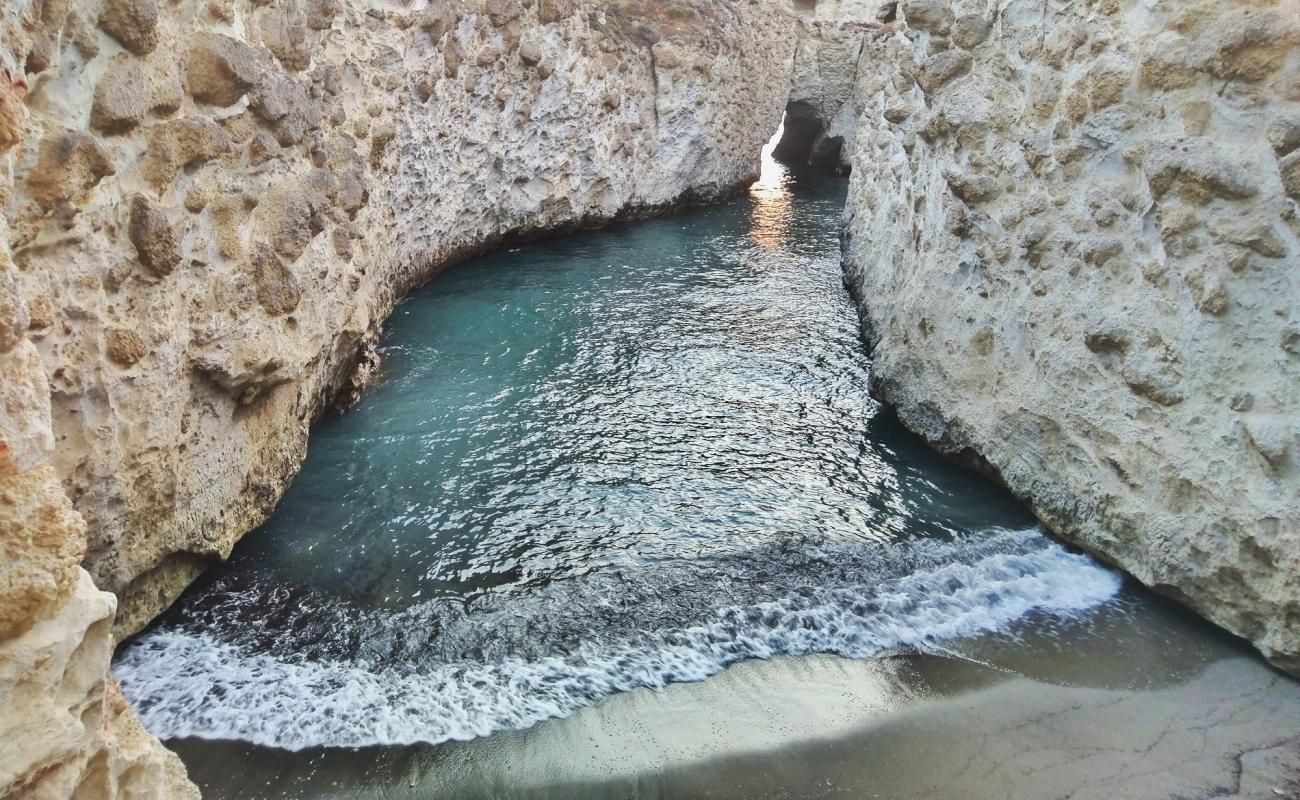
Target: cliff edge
[[211, 206], [1072, 231]]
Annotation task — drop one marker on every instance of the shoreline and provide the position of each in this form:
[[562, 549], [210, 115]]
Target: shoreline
[[1006, 716]]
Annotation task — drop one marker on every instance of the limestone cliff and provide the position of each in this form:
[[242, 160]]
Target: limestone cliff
[[822, 111], [65, 729], [204, 251], [1072, 228], [209, 209]]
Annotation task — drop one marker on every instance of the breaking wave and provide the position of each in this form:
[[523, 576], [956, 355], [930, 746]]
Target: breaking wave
[[220, 681]]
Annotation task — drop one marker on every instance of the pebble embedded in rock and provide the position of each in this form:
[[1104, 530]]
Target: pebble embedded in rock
[[122, 95], [69, 164], [153, 237], [134, 23], [124, 347], [218, 69], [277, 289]]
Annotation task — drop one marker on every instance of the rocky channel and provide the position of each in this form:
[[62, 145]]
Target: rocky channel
[[1071, 230]]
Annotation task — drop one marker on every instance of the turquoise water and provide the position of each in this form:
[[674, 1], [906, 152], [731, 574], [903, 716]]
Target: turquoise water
[[685, 385], [613, 460]]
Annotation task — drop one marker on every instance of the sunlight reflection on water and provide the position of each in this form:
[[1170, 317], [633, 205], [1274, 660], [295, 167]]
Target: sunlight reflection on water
[[771, 193]]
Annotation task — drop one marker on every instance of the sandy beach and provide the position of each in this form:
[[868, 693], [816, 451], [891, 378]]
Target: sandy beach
[[1161, 707]]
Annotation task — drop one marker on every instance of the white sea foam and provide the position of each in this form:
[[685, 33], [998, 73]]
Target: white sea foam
[[186, 683]]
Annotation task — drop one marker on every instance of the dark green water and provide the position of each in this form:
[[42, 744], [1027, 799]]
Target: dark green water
[[611, 461]]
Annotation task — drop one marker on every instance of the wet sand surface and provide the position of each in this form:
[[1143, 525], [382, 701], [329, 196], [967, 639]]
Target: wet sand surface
[[1139, 701]]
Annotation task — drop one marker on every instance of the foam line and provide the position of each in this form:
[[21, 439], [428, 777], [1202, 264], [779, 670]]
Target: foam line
[[186, 682]]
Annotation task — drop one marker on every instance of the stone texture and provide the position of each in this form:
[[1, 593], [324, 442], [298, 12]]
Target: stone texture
[[219, 69], [822, 97], [133, 23], [1084, 281], [202, 257], [13, 91], [1100, 198], [69, 164], [65, 730], [232, 254], [43, 541], [153, 238], [179, 144], [119, 103]]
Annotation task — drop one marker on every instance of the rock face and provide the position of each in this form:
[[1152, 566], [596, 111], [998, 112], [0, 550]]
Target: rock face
[[204, 254], [1073, 236], [65, 729], [822, 111], [1074, 233], [209, 209]]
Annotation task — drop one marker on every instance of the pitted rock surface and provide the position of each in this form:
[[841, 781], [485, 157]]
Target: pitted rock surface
[[209, 210], [1073, 237]]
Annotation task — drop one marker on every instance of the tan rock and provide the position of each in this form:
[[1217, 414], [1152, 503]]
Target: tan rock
[[501, 12], [320, 14], [1250, 44], [290, 216], [285, 105], [153, 238], [1289, 168], [1171, 62], [15, 317], [972, 188], [218, 69], [262, 148], [124, 346], [555, 10], [284, 32], [180, 143], [530, 53], [277, 289], [122, 96], [1198, 165], [940, 68], [196, 386], [935, 16], [971, 30], [1284, 134], [64, 729], [69, 164], [1140, 317], [13, 88], [42, 542], [134, 23], [229, 213]]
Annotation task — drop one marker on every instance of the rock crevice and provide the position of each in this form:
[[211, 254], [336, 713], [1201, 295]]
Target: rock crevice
[[1072, 230]]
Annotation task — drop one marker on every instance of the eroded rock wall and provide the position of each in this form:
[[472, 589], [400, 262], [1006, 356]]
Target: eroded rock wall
[[213, 205], [65, 729], [832, 38], [209, 209], [1072, 228]]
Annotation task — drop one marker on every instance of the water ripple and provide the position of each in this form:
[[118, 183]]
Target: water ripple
[[606, 461]]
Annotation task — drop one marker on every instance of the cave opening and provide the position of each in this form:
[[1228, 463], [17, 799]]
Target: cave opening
[[803, 138]]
